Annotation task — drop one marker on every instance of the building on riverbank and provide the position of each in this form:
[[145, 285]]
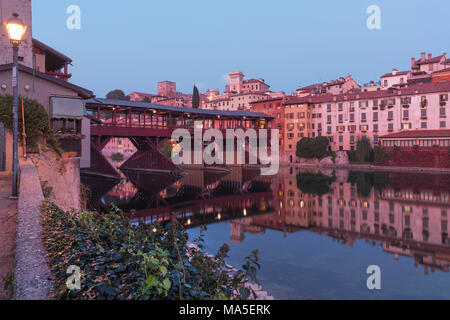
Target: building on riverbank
[[344, 111], [43, 76], [239, 94], [418, 148]]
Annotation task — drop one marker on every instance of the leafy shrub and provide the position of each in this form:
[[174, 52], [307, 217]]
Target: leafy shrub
[[310, 148], [117, 157], [47, 191], [37, 124], [166, 148], [120, 260]]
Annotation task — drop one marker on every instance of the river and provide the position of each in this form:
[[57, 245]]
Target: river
[[317, 232]]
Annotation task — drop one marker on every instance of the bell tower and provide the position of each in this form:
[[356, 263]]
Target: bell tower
[[23, 9]]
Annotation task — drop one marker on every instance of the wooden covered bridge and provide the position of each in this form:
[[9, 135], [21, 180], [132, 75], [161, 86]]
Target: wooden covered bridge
[[149, 125]]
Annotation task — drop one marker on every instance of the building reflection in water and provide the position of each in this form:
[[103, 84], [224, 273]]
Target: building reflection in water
[[406, 213]]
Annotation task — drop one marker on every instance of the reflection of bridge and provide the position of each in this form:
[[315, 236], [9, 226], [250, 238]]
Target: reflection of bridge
[[197, 197], [148, 125], [206, 211]]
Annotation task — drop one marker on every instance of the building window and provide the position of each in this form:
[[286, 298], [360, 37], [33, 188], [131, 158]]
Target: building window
[[406, 126], [375, 127], [442, 124], [423, 125], [352, 117], [423, 113], [329, 107], [390, 115], [363, 117], [375, 116], [405, 114], [391, 127], [442, 112]]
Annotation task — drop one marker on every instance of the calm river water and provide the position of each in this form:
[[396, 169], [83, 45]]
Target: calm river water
[[317, 231]]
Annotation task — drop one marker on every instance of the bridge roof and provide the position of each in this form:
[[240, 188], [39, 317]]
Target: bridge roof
[[152, 106]]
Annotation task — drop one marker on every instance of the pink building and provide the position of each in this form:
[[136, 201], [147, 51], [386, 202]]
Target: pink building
[[239, 94], [338, 86], [344, 118]]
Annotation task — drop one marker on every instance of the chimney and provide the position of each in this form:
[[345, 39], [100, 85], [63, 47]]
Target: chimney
[[394, 72], [429, 56], [423, 56], [413, 61]]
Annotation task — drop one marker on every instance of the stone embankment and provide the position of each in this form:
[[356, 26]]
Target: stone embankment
[[32, 278]]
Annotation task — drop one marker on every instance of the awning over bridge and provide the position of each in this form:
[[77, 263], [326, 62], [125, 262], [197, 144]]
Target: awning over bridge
[[192, 111]]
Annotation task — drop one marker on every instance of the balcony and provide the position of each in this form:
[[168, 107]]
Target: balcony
[[60, 75]]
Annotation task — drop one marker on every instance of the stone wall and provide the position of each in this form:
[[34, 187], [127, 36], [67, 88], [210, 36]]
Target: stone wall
[[32, 273], [433, 158]]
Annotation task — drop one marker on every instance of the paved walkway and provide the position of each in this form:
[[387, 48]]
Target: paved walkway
[[8, 221]]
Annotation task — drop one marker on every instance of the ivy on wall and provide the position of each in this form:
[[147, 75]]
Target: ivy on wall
[[37, 124]]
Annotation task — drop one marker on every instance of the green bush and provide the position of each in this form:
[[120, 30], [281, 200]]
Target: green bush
[[121, 260], [310, 148], [117, 157], [37, 124], [166, 149]]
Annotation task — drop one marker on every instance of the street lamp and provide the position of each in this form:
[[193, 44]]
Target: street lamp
[[16, 29]]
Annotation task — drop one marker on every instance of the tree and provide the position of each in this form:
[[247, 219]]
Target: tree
[[117, 95], [363, 149], [313, 148], [166, 148], [117, 157], [195, 98]]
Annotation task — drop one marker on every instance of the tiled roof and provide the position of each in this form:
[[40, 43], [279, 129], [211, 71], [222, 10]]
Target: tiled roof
[[81, 91], [43, 47], [419, 134], [398, 73], [267, 100], [432, 60], [443, 70], [413, 89], [145, 105]]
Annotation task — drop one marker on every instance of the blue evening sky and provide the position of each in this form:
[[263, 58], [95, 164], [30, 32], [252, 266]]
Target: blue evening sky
[[131, 45]]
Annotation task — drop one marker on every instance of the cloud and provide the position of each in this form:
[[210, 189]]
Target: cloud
[[225, 79]]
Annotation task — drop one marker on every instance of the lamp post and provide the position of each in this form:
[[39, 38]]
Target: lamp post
[[16, 29]]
